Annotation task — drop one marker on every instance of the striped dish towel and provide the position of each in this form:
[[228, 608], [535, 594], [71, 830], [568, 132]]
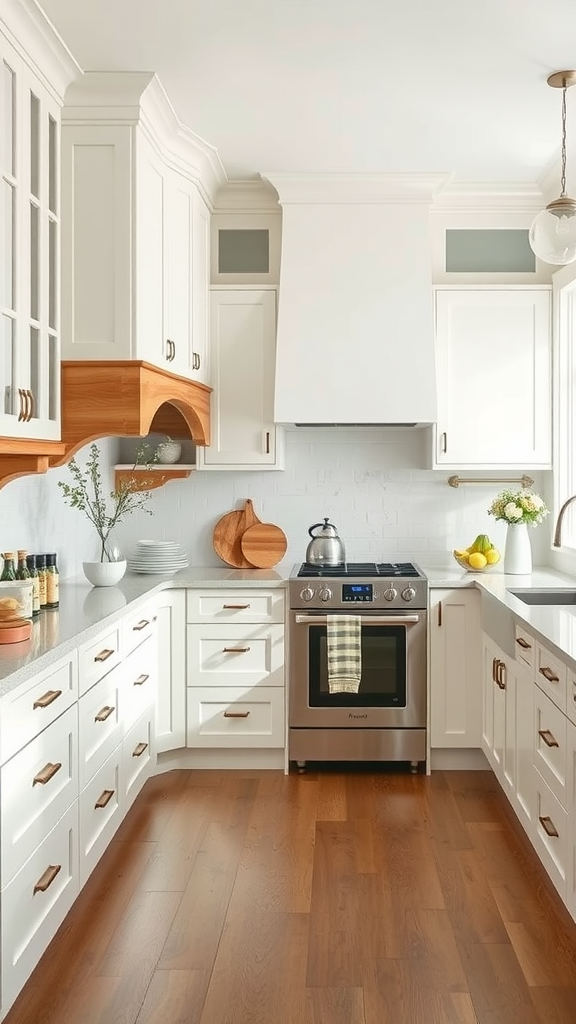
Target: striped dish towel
[[344, 634]]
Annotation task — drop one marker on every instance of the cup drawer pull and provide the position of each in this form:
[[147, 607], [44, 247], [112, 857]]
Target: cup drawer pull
[[104, 713], [236, 714], [103, 799], [47, 698], [548, 738], [549, 675], [548, 826], [45, 880], [104, 654], [235, 650], [139, 749], [46, 773], [523, 643]]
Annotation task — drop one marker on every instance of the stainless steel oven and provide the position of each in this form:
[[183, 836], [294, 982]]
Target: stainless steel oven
[[386, 719]]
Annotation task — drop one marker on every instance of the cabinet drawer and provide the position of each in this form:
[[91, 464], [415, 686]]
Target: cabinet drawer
[[525, 646], [36, 902], [243, 656], [551, 834], [235, 606], [220, 717], [99, 656], [551, 676], [138, 687], [550, 745], [99, 813], [571, 695], [137, 627], [36, 704], [38, 784], [99, 723], [138, 758]]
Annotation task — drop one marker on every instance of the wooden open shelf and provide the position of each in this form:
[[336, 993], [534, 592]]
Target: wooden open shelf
[[20, 457], [147, 478]]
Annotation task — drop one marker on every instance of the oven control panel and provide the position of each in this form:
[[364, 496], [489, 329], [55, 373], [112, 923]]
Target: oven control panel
[[354, 593]]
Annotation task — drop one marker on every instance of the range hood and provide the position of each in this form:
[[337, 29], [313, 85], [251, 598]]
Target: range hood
[[355, 336]]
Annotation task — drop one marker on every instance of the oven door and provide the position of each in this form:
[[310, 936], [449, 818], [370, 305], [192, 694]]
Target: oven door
[[392, 689]]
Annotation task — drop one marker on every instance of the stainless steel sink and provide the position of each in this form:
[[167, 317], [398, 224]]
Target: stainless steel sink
[[547, 597]]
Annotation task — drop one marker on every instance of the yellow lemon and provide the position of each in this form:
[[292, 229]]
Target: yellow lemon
[[477, 560], [492, 556]]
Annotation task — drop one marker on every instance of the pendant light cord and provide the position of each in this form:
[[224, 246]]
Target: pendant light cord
[[563, 177]]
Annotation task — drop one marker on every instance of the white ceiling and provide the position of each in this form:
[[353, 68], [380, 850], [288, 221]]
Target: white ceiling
[[365, 86]]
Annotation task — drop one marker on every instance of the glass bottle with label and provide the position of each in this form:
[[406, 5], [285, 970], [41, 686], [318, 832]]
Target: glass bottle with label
[[52, 582], [31, 565], [9, 569], [41, 567], [22, 570]]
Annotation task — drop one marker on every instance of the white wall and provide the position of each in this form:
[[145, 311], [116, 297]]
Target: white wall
[[369, 482]]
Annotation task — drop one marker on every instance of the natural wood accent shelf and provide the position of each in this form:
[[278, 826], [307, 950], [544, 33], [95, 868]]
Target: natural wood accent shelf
[[151, 476], [20, 457]]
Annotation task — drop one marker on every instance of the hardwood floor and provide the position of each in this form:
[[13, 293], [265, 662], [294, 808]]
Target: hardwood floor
[[328, 898]]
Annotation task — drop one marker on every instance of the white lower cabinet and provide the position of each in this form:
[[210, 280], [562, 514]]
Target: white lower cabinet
[[36, 901], [100, 812], [170, 612], [571, 808], [455, 675], [222, 716], [138, 757], [550, 835]]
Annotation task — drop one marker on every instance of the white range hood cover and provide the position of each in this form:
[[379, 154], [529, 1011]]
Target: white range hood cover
[[355, 339]]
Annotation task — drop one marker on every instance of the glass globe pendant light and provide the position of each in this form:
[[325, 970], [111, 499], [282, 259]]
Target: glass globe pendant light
[[552, 233]]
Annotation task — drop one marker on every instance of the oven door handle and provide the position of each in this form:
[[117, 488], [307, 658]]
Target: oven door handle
[[365, 620]]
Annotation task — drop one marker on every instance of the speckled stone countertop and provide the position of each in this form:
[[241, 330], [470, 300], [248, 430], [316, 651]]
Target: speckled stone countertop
[[85, 610]]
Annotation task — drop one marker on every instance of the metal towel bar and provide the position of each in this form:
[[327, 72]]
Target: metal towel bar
[[455, 481]]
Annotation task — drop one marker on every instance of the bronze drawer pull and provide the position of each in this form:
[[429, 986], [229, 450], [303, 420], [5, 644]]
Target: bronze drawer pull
[[549, 675], [548, 738], [548, 826], [235, 650], [104, 654], [141, 625], [238, 607], [500, 669], [30, 397], [236, 714], [47, 698], [139, 750], [104, 713], [439, 613], [141, 679], [45, 881], [523, 643], [22, 413], [103, 799], [46, 773]]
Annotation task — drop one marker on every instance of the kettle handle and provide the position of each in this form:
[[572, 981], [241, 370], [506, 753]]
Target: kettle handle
[[321, 525]]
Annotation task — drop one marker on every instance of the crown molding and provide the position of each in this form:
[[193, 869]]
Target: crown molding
[[354, 188], [248, 196], [38, 43]]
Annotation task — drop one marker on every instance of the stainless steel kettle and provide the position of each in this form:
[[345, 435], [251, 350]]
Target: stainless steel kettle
[[325, 548]]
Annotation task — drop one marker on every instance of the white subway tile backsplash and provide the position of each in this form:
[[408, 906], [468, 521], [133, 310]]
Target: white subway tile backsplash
[[368, 482]]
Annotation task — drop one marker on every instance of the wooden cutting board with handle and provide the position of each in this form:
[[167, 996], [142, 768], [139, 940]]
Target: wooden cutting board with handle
[[228, 534], [263, 544]]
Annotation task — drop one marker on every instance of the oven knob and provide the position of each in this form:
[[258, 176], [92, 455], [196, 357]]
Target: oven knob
[[390, 594], [307, 594], [325, 594], [409, 594]]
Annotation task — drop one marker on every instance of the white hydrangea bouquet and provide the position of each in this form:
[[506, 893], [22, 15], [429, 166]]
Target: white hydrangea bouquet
[[519, 507]]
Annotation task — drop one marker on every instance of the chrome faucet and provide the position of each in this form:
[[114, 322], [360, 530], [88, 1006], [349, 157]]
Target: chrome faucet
[[557, 542]]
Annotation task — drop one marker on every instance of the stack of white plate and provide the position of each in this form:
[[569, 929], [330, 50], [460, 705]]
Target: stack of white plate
[[158, 556]]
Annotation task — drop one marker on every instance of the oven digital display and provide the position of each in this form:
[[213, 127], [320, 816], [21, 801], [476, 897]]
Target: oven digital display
[[357, 592]]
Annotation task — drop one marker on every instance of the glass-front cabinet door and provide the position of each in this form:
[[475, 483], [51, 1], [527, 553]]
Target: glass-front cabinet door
[[29, 253]]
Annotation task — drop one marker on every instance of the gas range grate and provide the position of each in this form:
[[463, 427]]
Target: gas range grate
[[367, 569]]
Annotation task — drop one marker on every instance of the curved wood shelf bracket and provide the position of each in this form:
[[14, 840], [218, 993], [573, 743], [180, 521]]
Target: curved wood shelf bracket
[[148, 480], [124, 399], [21, 458]]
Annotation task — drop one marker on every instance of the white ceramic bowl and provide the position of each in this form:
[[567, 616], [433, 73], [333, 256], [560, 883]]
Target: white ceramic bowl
[[104, 574]]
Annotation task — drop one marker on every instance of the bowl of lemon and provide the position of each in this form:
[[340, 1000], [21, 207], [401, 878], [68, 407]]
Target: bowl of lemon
[[481, 556]]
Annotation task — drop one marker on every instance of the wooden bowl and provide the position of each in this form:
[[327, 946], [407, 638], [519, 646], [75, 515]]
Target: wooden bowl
[[13, 631]]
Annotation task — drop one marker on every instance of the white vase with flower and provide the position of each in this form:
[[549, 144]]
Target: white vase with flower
[[519, 509]]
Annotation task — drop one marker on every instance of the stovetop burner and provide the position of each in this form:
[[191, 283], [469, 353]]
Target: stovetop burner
[[405, 570]]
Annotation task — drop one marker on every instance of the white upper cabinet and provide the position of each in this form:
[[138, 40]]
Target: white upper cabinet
[[493, 367], [135, 227], [242, 353], [30, 234]]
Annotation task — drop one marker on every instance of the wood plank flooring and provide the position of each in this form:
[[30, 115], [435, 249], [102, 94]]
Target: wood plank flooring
[[334, 897]]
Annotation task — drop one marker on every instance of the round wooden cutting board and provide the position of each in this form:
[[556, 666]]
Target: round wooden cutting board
[[228, 534], [264, 545]]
